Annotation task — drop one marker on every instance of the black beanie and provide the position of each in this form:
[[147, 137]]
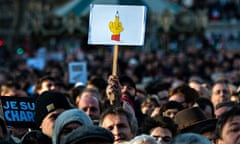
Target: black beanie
[[47, 102]]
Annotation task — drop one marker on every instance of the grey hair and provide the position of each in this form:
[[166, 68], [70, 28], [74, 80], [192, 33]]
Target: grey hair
[[142, 139], [190, 138]]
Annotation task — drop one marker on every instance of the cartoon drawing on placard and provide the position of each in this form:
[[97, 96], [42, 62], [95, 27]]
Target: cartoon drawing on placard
[[116, 27]]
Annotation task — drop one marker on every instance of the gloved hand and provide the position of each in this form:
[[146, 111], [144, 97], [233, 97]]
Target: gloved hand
[[116, 28]]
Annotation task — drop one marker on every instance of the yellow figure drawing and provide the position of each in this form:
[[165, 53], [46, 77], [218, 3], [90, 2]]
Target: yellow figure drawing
[[116, 28]]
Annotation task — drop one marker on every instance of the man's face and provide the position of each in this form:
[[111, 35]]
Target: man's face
[[162, 135], [46, 86], [231, 131], [48, 122], [128, 91], [119, 127], [90, 105], [220, 93]]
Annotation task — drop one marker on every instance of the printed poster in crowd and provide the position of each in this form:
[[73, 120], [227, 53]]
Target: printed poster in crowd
[[18, 111], [77, 72], [117, 24]]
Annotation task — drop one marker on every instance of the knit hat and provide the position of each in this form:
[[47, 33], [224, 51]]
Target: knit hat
[[67, 117], [48, 102], [88, 133]]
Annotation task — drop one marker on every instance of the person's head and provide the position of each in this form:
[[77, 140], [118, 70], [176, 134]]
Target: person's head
[[149, 104], [143, 139], [228, 127], [67, 122], [128, 87], [183, 94], [89, 135], [162, 128], [122, 124], [75, 92], [160, 89], [220, 93], [170, 109], [206, 106], [35, 137], [9, 89], [89, 102], [44, 83], [47, 108], [98, 83], [203, 91], [190, 138], [223, 107]]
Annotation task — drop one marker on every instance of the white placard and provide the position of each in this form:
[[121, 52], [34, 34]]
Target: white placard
[[77, 72], [117, 25]]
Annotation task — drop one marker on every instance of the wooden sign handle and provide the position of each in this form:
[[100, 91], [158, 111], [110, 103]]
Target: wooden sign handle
[[114, 70], [115, 60]]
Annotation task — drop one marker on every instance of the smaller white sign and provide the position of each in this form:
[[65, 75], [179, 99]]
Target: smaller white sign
[[77, 72], [117, 25]]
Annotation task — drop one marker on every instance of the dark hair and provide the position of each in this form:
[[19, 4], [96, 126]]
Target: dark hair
[[159, 121], [41, 80], [203, 103], [126, 80], [75, 92], [149, 99], [98, 82], [189, 93], [171, 105], [120, 111], [228, 115]]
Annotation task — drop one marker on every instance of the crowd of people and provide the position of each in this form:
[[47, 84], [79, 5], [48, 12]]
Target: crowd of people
[[156, 97], [225, 10], [187, 95]]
